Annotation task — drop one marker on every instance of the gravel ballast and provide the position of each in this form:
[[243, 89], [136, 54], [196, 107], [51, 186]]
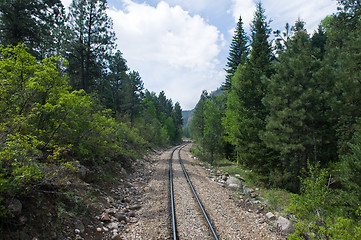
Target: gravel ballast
[[230, 220]]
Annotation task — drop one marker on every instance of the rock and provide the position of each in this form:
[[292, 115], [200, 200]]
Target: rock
[[134, 220], [106, 229], [270, 216], [99, 229], [253, 195], [24, 236], [105, 217], [23, 220], [79, 225], [85, 174], [232, 181], [131, 214], [121, 217], [247, 190], [15, 207], [233, 186], [285, 225], [135, 207], [224, 177], [78, 237], [124, 172], [117, 237], [113, 225]]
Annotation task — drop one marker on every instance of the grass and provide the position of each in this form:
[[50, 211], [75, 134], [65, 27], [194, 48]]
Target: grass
[[275, 199]]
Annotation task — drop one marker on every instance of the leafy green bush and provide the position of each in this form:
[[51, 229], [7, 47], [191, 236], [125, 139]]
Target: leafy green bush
[[46, 128], [18, 161], [316, 210]]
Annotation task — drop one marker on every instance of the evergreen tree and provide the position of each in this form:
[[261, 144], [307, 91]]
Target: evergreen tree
[[91, 43], [131, 95], [111, 85], [164, 105], [237, 54], [340, 68], [178, 120], [348, 172], [33, 23], [297, 125], [245, 113], [197, 122]]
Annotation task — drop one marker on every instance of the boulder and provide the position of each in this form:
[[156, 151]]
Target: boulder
[[15, 206], [234, 182], [285, 225], [233, 186]]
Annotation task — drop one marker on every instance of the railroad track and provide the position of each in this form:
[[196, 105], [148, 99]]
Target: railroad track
[[196, 200]]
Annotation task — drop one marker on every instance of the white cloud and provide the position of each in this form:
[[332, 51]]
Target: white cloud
[[312, 12], [172, 50], [66, 3], [244, 8], [285, 11]]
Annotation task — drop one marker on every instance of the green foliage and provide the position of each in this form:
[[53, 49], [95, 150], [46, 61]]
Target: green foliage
[[91, 41], [237, 54], [42, 122], [316, 207], [277, 199], [348, 172], [297, 104], [197, 123], [212, 140], [245, 114], [19, 163], [34, 23]]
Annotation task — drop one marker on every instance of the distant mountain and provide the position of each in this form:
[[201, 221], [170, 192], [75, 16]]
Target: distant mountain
[[187, 116], [217, 92]]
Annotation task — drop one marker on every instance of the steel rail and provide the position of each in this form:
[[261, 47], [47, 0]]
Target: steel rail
[[174, 223], [196, 196]]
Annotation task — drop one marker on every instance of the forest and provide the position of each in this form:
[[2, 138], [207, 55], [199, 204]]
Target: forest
[[289, 109], [68, 98], [290, 112]]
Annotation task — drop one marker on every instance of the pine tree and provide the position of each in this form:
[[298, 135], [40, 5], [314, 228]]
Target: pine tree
[[297, 125], [92, 41], [110, 91], [237, 54], [178, 120], [33, 23], [197, 122], [131, 95], [245, 113]]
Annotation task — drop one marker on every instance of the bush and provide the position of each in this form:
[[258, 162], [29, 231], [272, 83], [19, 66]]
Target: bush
[[316, 210]]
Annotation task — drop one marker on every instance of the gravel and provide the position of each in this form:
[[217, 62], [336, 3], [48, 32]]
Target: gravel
[[231, 220]]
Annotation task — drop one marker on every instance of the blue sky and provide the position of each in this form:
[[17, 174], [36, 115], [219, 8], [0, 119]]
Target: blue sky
[[181, 46]]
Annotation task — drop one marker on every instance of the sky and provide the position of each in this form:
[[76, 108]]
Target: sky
[[181, 46]]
